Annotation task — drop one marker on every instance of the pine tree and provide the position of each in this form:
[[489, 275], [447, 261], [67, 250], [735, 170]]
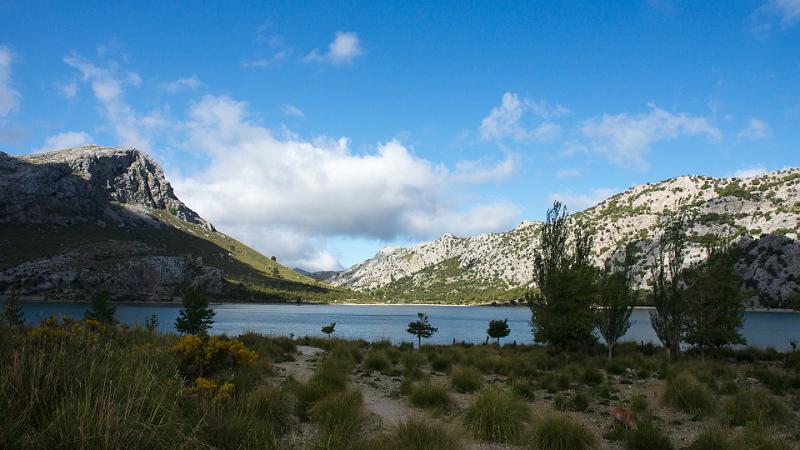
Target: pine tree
[[498, 329], [195, 317], [561, 310], [101, 309], [12, 311], [421, 328], [616, 300]]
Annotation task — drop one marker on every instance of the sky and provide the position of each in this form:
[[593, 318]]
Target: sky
[[320, 132]]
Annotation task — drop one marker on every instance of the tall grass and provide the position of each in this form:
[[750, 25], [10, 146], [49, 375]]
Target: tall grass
[[430, 396], [339, 416], [559, 431], [465, 379], [756, 407], [418, 433], [684, 392], [496, 416]]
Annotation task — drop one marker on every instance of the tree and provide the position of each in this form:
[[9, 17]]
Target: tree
[[714, 302], [101, 309], [151, 323], [615, 300], [329, 329], [12, 310], [561, 310], [498, 329], [195, 317], [667, 295], [421, 328]]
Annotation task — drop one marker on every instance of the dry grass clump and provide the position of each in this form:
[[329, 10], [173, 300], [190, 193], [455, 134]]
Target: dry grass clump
[[559, 431], [465, 379], [496, 416]]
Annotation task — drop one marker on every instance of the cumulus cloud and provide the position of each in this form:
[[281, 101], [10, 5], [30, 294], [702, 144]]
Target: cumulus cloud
[[130, 127], [756, 129], [342, 50], [580, 201], [277, 186], [625, 139], [749, 172], [9, 98], [505, 122], [292, 111], [64, 140], [182, 84]]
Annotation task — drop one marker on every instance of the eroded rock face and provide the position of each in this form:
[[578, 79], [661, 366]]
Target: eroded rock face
[[79, 185], [126, 269], [767, 205]]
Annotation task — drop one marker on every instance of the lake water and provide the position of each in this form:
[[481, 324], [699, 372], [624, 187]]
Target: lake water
[[762, 329]]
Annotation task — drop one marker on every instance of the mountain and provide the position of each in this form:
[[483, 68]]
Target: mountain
[[759, 214], [87, 218]]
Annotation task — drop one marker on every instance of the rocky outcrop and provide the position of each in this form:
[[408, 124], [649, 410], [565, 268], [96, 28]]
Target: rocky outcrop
[[763, 209], [85, 184]]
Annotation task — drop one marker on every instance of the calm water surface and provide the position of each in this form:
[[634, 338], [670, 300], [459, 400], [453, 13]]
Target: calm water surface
[[762, 329]]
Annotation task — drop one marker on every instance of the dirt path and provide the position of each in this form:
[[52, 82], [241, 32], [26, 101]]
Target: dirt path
[[302, 368]]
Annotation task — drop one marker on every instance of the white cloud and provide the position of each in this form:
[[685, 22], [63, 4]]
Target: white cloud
[[750, 172], [756, 129], [64, 140], [131, 128], [477, 173], [568, 173], [788, 10], [504, 122], [9, 98], [184, 83], [625, 139], [68, 90], [293, 111], [342, 50], [272, 186], [578, 202]]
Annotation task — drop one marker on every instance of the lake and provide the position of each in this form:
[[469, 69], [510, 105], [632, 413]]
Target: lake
[[370, 322]]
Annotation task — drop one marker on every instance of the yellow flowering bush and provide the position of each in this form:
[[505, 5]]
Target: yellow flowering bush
[[204, 356], [225, 392], [207, 388]]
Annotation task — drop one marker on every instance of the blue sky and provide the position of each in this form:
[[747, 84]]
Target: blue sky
[[321, 132]]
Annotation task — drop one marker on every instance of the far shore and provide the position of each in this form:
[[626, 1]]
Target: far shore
[[37, 299]]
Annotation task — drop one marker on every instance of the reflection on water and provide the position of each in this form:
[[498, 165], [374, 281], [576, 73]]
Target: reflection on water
[[762, 329]]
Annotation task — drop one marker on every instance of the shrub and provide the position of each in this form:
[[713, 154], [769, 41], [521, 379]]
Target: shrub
[[412, 364], [592, 376], [496, 416], [687, 394], [524, 389], [581, 401], [377, 360], [647, 436], [440, 363], [559, 431], [339, 416], [756, 406], [417, 433], [430, 396], [465, 379], [713, 439], [259, 421], [639, 403], [197, 355]]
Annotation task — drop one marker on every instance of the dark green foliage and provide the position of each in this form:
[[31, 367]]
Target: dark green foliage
[[667, 295], [756, 407], [714, 302], [559, 431], [498, 329], [496, 416], [440, 363], [12, 311], [615, 300], [101, 309], [647, 436], [195, 317], [421, 328], [329, 329], [377, 360], [687, 394], [561, 309], [465, 379], [430, 396]]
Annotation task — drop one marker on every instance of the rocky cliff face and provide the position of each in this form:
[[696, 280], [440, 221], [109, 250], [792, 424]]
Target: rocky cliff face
[[87, 218], [761, 214]]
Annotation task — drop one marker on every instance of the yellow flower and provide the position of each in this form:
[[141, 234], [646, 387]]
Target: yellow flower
[[225, 391]]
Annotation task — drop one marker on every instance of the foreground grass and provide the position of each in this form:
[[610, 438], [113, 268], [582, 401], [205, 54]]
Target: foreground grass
[[84, 385]]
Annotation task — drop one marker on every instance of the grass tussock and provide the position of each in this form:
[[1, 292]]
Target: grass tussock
[[496, 416], [647, 436], [465, 379], [430, 396], [559, 431], [418, 433], [714, 439], [339, 416], [685, 393], [376, 360], [756, 407]]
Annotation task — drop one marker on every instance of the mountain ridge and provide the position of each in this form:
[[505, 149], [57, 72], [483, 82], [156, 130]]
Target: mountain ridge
[[760, 214]]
